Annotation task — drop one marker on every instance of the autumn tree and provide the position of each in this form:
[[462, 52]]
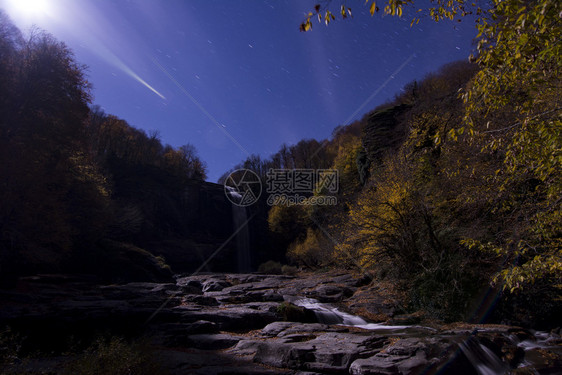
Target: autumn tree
[[499, 163]]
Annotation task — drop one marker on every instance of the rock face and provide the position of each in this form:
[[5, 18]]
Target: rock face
[[221, 323]]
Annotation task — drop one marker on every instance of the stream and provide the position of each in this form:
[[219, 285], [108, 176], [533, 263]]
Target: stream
[[212, 324], [482, 358]]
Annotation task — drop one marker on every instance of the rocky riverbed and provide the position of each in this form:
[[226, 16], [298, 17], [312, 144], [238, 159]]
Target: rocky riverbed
[[237, 324]]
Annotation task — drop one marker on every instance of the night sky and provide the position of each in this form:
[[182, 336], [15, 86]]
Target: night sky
[[235, 78]]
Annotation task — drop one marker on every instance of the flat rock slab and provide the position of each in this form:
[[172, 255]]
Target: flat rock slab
[[215, 341], [310, 347], [203, 362], [229, 324]]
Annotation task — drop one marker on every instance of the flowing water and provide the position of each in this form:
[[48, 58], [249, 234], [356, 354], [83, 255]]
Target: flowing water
[[239, 221], [328, 314], [484, 360]]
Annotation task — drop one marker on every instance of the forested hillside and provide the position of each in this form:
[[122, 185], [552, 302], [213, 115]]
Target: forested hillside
[[452, 191], [78, 187]]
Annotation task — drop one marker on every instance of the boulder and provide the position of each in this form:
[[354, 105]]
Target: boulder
[[215, 285], [330, 293], [317, 351]]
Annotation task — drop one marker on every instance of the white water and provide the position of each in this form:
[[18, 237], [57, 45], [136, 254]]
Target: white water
[[331, 315], [239, 220], [482, 358], [542, 340]]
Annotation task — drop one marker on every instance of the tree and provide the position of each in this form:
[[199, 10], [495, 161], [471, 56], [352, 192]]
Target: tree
[[513, 108], [53, 196]]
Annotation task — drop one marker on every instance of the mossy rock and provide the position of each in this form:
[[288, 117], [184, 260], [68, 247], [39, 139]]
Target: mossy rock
[[293, 313]]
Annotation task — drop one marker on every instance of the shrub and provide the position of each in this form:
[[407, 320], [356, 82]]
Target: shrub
[[289, 270], [270, 267], [10, 345], [313, 252], [115, 356]]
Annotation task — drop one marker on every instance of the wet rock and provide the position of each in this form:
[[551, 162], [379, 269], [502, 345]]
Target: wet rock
[[293, 313], [281, 329], [201, 300], [407, 356], [372, 305], [406, 319], [330, 293], [318, 351], [205, 315], [189, 282], [233, 318], [215, 285]]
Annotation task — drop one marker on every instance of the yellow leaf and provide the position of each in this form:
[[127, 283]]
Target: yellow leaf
[[372, 9]]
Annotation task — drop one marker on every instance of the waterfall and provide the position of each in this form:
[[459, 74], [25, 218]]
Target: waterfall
[[482, 358], [239, 221], [327, 314]]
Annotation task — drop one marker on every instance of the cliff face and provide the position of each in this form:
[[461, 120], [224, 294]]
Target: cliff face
[[207, 215], [383, 131], [210, 243]]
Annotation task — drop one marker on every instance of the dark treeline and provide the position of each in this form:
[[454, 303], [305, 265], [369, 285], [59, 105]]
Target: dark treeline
[[80, 191]]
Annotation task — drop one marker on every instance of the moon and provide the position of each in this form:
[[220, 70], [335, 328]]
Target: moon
[[30, 8]]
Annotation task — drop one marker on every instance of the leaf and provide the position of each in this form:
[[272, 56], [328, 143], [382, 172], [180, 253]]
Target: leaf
[[372, 8]]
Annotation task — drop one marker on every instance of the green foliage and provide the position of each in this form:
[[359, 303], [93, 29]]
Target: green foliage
[[115, 356]]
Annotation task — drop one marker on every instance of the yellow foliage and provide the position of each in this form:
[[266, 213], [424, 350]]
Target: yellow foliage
[[313, 252], [346, 163], [377, 213]]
